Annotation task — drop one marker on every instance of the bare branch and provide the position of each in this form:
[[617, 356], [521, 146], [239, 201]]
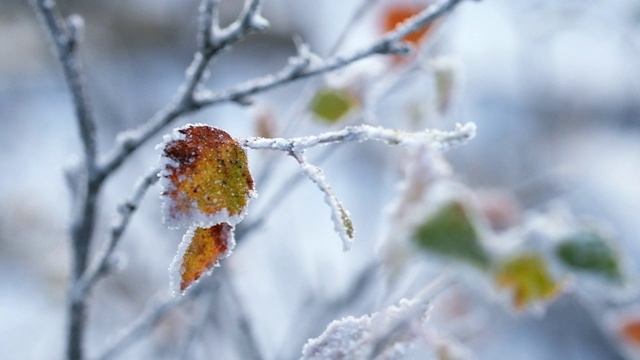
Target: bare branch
[[441, 140], [100, 266], [250, 345], [299, 67], [389, 44], [154, 312], [65, 34], [213, 42], [341, 219]]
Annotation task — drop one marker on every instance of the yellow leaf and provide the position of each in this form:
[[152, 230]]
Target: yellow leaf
[[528, 278], [200, 251]]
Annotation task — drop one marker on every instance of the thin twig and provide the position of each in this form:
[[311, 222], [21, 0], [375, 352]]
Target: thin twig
[[339, 215], [158, 308], [100, 265], [250, 343], [441, 140]]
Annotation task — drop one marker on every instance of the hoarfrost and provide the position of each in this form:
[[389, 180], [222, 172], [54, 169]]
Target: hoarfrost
[[378, 336]]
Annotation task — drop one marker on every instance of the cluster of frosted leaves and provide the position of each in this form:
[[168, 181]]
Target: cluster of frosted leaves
[[206, 187], [452, 232]]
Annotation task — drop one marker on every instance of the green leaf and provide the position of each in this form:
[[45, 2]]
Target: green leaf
[[450, 232], [330, 105], [589, 252], [528, 278]]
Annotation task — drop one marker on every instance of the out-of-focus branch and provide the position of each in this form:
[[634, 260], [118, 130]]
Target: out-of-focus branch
[[212, 41], [154, 312], [101, 264], [249, 345], [65, 36]]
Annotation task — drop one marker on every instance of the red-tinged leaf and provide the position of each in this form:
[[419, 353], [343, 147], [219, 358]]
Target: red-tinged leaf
[[201, 249], [528, 278], [206, 178], [630, 331]]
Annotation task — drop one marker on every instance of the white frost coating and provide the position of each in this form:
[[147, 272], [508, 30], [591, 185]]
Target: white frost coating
[[259, 23], [338, 213], [357, 338], [175, 268]]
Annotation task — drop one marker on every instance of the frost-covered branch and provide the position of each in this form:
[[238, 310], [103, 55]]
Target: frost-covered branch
[[438, 139], [101, 264], [388, 333], [155, 311], [340, 217], [301, 67], [65, 35], [213, 40]]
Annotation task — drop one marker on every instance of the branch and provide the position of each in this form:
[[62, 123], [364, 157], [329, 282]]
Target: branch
[[101, 264], [441, 140], [212, 41], [65, 36], [341, 219], [299, 67], [250, 346], [151, 316], [391, 43]]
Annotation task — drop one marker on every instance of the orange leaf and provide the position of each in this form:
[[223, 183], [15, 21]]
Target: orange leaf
[[206, 178], [631, 332], [200, 250], [397, 14]]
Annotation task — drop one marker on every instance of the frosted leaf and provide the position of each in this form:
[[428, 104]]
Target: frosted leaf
[[588, 252], [357, 338], [332, 104], [199, 252], [451, 232], [204, 176], [528, 278]]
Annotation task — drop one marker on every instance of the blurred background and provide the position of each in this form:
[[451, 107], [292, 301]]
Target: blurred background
[[554, 88]]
